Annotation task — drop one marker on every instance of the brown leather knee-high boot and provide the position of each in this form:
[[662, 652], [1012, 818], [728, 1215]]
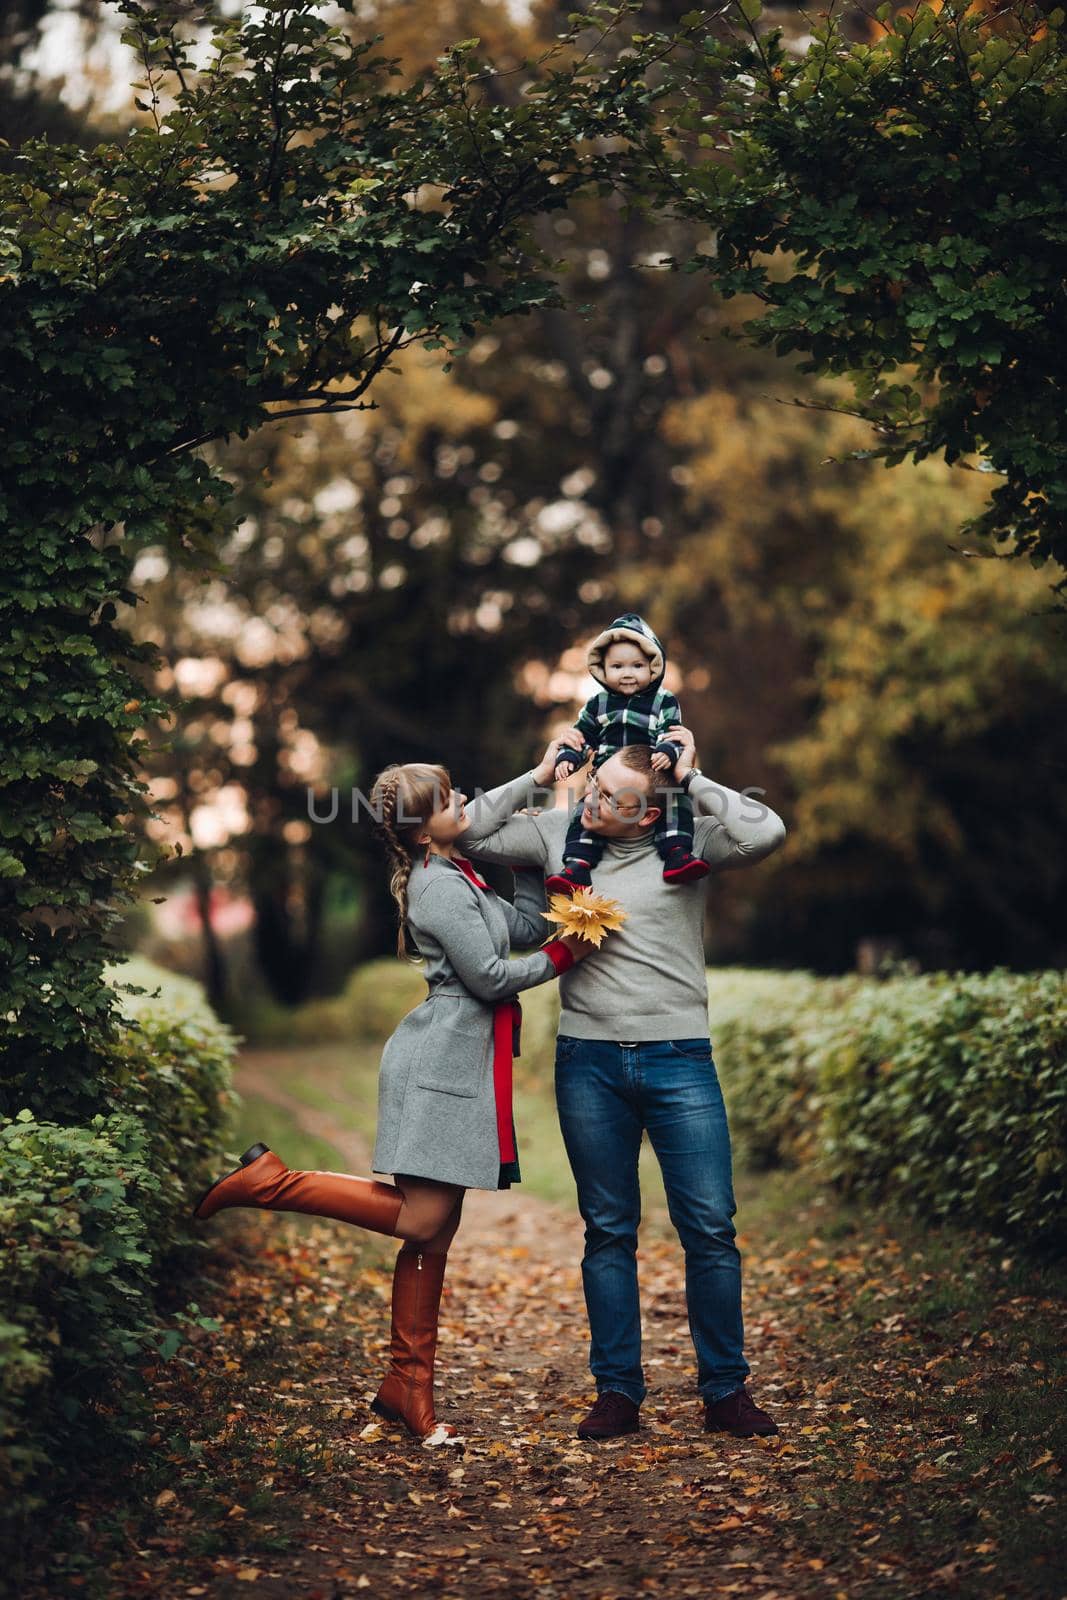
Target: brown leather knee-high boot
[[264, 1181], [406, 1393]]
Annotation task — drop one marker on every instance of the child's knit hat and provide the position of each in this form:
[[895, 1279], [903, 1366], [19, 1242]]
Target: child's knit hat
[[627, 629]]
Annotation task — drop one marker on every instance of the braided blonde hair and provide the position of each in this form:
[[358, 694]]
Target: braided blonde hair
[[410, 793]]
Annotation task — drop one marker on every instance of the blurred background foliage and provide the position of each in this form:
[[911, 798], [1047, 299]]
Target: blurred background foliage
[[418, 581]]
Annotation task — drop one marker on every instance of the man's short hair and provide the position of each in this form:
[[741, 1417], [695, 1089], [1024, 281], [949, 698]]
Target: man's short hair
[[638, 757]]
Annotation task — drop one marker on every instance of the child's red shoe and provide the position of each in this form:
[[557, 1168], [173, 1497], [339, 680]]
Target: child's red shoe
[[571, 878], [684, 868]]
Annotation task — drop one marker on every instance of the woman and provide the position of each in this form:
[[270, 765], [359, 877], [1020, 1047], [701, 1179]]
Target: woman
[[444, 1099]]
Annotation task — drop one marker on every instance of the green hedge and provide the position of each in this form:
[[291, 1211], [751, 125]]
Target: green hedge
[[944, 1094], [89, 1217]]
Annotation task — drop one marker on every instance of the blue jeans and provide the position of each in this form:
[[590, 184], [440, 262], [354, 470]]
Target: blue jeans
[[607, 1093]]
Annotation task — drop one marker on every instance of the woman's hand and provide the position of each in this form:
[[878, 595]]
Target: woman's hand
[[579, 948], [545, 772]]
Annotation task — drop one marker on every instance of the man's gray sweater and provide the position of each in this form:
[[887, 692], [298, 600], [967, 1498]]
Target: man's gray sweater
[[648, 980]]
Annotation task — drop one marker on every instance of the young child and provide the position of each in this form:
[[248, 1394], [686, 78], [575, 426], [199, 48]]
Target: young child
[[632, 708]]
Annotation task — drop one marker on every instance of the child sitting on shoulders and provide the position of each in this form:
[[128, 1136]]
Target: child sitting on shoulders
[[631, 708]]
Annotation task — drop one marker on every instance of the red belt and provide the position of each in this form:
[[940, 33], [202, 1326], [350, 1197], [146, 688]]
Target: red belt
[[507, 1026]]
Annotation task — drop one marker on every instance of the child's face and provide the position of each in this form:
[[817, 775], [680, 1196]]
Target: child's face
[[626, 668]]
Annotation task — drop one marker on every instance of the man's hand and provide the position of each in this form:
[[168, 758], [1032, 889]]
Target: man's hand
[[688, 758]]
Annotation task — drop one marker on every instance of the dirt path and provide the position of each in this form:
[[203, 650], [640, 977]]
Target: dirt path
[[895, 1472], [525, 1507]]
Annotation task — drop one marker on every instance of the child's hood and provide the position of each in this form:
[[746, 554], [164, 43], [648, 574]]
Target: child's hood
[[627, 629]]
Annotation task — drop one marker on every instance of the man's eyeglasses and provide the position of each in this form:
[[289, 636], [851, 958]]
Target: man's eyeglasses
[[615, 805]]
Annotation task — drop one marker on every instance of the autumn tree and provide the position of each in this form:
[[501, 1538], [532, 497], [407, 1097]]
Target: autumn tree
[[284, 224], [897, 209], [461, 536]]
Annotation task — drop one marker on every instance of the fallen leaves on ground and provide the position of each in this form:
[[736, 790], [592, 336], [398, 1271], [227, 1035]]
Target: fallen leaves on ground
[[273, 1477]]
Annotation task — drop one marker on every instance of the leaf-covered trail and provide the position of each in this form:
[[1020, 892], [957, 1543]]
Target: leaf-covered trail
[[274, 1478], [524, 1507]]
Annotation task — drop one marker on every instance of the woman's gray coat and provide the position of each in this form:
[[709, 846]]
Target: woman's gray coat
[[436, 1101]]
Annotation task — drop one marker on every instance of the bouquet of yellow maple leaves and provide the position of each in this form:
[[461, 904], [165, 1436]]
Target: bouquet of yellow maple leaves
[[585, 914]]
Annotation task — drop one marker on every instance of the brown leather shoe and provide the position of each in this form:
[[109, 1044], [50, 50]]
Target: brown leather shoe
[[264, 1181], [613, 1414], [216, 1197], [738, 1414], [406, 1394]]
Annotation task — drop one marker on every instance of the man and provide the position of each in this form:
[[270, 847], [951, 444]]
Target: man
[[634, 1053]]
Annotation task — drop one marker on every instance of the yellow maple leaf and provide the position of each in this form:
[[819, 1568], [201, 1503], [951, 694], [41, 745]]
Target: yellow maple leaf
[[585, 914]]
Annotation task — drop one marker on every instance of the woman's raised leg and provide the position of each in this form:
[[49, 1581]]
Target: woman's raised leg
[[264, 1181], [417, 1209]]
